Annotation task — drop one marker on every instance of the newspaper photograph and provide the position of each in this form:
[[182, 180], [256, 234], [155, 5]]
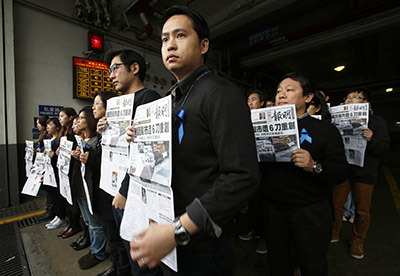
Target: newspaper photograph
[[115, 148], [32, 184], [150, 196], [276, 132], [28, 157], [49, 176], [63, 164], [83, 170], [351, 120]]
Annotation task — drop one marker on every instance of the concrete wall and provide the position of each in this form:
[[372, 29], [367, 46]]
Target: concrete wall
[[44, 47]]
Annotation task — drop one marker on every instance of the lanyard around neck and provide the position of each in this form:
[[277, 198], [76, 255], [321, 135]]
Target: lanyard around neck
[[180, 116]]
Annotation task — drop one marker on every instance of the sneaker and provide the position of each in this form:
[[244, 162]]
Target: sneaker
[[57, 224], [356, 250], [351, 220], [52, 221], [344, 218], [335, 237], [261, 246], [112, 271], [88, 262], [248, 236]]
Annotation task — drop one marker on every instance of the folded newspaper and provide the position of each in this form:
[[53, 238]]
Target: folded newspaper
[[351, 120], [276, 132]]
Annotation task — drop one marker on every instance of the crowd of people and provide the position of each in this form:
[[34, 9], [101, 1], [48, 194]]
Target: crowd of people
[[296, 207]]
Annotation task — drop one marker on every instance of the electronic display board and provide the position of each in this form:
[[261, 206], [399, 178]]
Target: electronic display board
[[89, 77]]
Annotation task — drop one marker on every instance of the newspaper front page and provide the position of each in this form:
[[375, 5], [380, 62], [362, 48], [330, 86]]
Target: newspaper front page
[[83, 171], [49, 176], [276, 132], [28, 157], [150, 197], [351, 120], [32, 184], [63, 164], [115, 148]]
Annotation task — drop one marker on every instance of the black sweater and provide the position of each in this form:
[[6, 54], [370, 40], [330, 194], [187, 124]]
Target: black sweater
[[379, 144], [214, 168], [290, 186]]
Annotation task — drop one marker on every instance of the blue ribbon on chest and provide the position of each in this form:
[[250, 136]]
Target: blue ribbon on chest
[[304, 136], [180, 116]]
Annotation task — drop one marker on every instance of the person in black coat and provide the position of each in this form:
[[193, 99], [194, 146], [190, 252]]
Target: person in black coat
[[361, 179]]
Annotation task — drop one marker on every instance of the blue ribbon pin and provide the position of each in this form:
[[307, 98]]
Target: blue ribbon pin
[[305, 136], [180, 116]]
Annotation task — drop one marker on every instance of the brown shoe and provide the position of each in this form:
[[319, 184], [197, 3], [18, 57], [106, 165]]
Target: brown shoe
[[65, 230], [71, 232], [357, 250], [84, 257], [89, 262]]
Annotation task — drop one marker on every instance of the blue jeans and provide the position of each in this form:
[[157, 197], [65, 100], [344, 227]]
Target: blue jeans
[[96, 231], [349, 208], [137, 271]]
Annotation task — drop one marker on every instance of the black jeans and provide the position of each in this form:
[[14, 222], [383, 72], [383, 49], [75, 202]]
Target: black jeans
[[304, 231], [137, 271], [215, 263], [119, 256]]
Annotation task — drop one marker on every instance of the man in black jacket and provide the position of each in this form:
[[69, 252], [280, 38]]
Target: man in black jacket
[[127, 73], [361, 179], [214, 163], [298, 213]]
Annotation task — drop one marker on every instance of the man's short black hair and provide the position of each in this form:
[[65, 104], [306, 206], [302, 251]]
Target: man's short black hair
[[128, 57], [364, 92], [259, 93], [305, 83], [199, 24]]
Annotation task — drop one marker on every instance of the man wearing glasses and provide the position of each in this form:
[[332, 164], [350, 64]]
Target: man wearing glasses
[[127, 73], [361, 179]]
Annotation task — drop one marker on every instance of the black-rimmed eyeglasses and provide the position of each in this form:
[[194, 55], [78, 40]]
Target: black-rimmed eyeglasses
[[114, 67]]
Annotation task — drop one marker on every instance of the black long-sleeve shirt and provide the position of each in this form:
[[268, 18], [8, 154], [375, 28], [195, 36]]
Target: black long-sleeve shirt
[[290, 186], [215, 168], [142, 96], [379, 144]]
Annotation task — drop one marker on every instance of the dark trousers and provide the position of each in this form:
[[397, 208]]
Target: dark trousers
[[74, 214], [304, 231], [216, 263], [257, 211], [119, 256], [59, 202], [138, 271]]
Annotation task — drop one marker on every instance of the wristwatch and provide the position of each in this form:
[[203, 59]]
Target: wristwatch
[[182, 237], [317, 168]]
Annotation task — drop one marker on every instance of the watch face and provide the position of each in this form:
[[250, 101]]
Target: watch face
[[317, 168], [182, 238]]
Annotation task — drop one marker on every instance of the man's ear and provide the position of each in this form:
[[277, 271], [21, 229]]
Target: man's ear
[[309, 97], [204, 46], [135, 68]]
